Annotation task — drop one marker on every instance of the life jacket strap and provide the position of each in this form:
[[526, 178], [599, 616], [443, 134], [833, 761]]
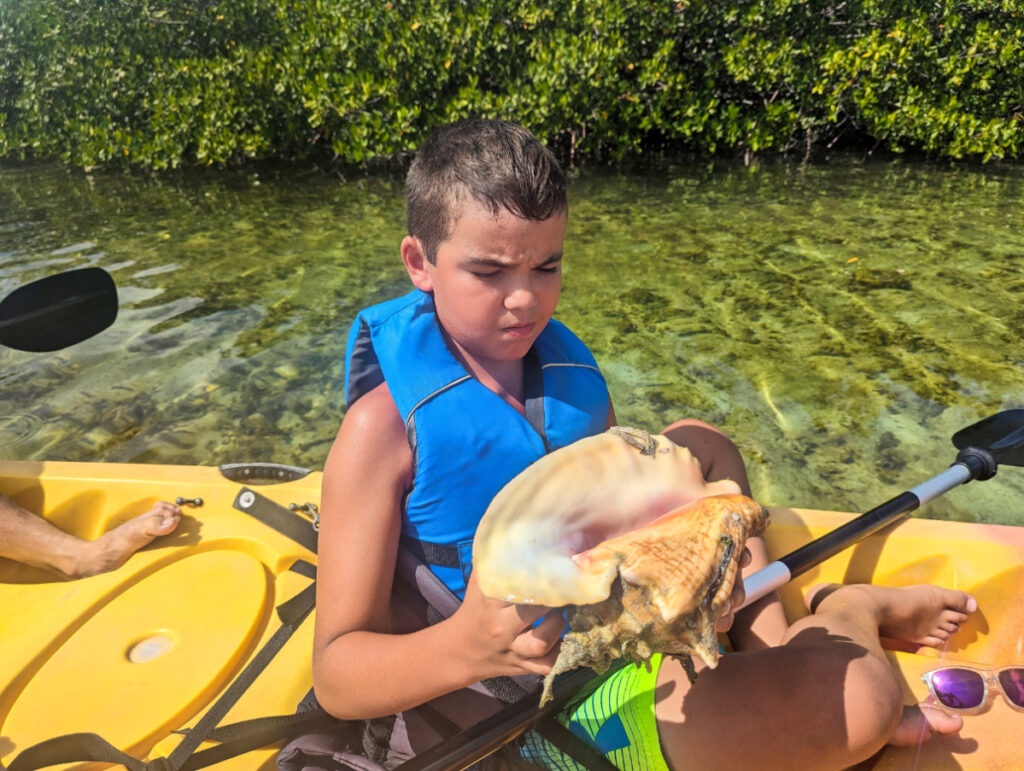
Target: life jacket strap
[[442, 555]]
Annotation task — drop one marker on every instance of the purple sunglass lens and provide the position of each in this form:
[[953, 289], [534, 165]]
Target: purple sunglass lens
[[958, 688], [1012, 681]]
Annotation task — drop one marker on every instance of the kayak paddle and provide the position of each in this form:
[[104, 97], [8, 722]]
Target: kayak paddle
[[57, 311], [983, 446]]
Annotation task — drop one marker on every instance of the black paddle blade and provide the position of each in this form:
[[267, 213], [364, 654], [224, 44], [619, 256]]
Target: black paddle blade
[[58, 311], [1001, 434]]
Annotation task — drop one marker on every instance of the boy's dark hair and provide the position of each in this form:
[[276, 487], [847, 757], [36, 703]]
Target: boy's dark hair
[[498, 164]]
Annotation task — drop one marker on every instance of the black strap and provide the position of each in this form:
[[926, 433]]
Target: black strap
[[533, 386], [71, 748], [291, 613], [571, 744], [276, 516], [442, 555], [235, 739], [243, 736]]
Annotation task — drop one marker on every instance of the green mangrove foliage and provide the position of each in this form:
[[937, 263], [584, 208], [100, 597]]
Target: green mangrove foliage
[[159, 83]]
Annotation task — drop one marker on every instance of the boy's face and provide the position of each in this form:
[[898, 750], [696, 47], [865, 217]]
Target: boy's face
[[496, 281]]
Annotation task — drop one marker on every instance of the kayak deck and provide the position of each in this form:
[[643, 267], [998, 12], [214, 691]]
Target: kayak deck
[[985, 560], [141, 652], [137, 653]]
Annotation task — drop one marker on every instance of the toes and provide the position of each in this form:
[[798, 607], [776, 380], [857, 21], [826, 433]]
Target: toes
[[940, 721], [964, 603], [169, 516], [163, 527]]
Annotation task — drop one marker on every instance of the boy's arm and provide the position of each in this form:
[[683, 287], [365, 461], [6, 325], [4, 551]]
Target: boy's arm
[[359, 670]]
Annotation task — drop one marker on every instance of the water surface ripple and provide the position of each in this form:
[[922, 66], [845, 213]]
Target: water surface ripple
[[841, 321]]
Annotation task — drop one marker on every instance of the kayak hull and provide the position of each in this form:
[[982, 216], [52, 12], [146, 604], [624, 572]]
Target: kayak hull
[[985, 560], [139, 653]]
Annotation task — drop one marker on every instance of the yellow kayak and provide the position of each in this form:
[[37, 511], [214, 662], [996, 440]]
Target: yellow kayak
[[138, 654], [985, 560]]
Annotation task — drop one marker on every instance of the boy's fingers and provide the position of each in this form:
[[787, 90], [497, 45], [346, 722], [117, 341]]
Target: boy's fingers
[[538, 641], [739, 592], [736, 599], [745, 558], [529, 614], [724, 622]]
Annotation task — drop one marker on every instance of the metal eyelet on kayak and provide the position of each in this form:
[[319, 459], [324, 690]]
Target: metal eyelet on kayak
[[262, 473], [310, 510], [194, 502]]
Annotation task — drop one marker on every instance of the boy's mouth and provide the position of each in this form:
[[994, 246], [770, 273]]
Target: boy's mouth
[[520, 330]]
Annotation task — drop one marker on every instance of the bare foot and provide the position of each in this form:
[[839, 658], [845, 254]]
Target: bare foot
[[113, 548], [922, 721], [921, 614]]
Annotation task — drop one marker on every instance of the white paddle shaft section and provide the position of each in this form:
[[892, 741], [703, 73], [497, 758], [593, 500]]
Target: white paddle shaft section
[[957, 474], [775, 574], [764, 581]]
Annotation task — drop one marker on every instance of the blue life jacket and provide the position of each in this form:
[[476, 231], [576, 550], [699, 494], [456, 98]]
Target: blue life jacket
[[467, 441]]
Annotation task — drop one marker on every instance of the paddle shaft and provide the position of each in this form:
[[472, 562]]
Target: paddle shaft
[[971, 464], [482, 739]]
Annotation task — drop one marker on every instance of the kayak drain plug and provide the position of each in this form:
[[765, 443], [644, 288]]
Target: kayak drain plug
[[152, 647]]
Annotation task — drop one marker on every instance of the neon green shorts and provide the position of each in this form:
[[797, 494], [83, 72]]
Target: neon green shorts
[[617, 720]]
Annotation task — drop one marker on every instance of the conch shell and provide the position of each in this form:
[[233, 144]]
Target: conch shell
[[618, 527]]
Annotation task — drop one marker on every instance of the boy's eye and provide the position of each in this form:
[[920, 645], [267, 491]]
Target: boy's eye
[[485, 273], [549, 268]]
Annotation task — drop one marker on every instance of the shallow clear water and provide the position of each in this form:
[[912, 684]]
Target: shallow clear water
[[841, 321]]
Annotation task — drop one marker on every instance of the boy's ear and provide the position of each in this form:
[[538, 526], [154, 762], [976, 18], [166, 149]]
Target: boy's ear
[[415, 261]]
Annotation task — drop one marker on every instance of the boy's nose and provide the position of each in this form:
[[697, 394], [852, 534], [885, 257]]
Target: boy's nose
[[520, 297]]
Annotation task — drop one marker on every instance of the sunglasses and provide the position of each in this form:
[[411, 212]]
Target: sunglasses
[[965, 689]]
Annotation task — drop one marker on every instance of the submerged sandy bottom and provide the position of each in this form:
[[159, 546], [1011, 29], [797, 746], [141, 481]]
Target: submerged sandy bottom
[[840, 321]]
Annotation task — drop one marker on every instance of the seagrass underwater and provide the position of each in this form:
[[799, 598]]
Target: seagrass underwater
[[810, 311]]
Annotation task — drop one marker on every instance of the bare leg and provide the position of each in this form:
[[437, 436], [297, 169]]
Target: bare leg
[[28, 538], [763, 623], [825, 698], [922, 614], [931, 619], [718, 456], [113, 548]]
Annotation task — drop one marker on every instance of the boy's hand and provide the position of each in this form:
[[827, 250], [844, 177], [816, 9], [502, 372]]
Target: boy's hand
[[501, 639], [739, 594]]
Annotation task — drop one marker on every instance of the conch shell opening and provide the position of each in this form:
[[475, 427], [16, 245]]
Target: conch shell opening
[[620, 528]]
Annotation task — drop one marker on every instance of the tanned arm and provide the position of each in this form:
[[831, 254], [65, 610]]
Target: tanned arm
[[359, 669]]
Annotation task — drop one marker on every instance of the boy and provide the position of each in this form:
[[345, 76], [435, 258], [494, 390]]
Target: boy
[[457, 387]]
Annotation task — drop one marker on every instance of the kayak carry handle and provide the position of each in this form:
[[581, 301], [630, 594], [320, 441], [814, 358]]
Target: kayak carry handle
[[262, 473]]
